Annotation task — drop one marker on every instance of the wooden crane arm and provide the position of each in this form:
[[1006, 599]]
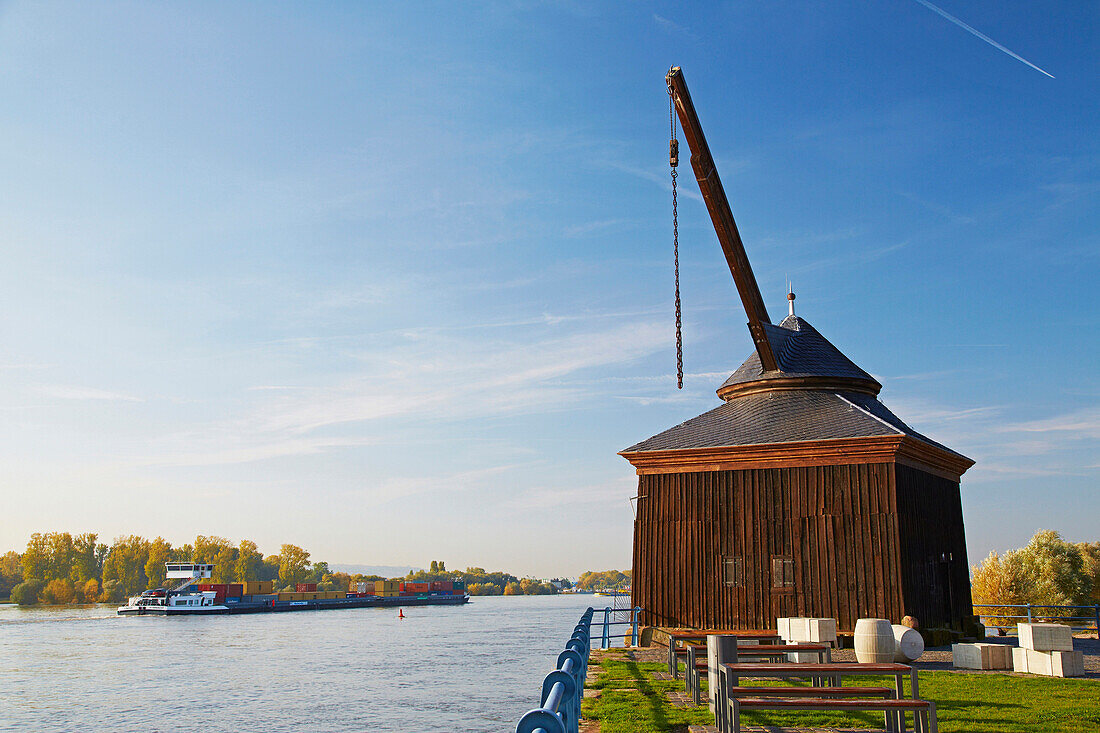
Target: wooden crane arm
[[710, 185]]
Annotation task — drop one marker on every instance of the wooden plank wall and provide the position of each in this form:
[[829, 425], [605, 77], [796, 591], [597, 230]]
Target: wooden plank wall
[[930, 518], [838, 523]]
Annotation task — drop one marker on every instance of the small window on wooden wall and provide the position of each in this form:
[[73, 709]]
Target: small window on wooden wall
[[732, 572], [782, 572]]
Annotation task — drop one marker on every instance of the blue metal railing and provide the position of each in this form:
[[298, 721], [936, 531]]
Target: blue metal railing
[[1035, 611], [606, 635], [563, 689]]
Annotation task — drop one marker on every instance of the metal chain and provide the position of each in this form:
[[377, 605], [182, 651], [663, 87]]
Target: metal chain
[[673, 160]]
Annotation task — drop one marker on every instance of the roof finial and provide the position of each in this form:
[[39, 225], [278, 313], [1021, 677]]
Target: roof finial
[[790, 301]]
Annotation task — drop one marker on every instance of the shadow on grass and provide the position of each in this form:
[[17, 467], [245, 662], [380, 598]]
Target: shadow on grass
[[646, 687]]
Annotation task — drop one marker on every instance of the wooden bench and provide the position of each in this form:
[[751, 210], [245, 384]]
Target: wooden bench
[[924, 711]]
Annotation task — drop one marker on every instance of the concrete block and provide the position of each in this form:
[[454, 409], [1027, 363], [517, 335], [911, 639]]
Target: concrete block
[[1051, 664], [1019, 659], [981, 656], [1045, 637], [822, 630], [1001, 655], [1067, 664], [802, 628]]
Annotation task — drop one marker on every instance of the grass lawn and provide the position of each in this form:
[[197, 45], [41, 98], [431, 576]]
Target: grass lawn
[[632, 700]]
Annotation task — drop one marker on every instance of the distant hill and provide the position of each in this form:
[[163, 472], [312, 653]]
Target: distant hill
[[388, 571]]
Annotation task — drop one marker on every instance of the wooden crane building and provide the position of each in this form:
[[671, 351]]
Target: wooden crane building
[[801, 494]]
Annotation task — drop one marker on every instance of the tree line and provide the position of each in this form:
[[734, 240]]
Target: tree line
[[482, 583], [59, 568], [1047, 571], [604, 580]]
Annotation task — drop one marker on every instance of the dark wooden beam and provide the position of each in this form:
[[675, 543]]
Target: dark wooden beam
[[722, 217]]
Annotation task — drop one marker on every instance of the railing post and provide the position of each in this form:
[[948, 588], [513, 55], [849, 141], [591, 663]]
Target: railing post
[[606, 627], [636, 612], [1096, 610], [1029, 613]]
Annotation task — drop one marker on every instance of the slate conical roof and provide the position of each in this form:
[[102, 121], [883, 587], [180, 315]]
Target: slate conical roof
[[806, 359]]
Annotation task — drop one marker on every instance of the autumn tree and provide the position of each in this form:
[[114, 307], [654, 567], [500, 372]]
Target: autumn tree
[[270, 570], [250, 561], [160, 552], [112, 592], [611, 579], [125, 563], [1055, 570], [36, 558], [1090, 555], [85, 564], [294, 565], [998, 580], [90, 591], [11, 572], [58, 591]]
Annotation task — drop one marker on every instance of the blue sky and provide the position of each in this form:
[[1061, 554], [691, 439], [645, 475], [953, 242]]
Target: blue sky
[[394, 283]]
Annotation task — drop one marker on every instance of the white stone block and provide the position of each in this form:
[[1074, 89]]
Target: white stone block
[[784, 627], [821, 630], [1045, 637], [1067, 664], [1019, 659], [1051, 664], [981, 656]]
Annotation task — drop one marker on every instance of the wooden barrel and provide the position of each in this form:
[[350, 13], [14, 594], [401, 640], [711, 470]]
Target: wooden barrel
[[908, 643], [874, 641]]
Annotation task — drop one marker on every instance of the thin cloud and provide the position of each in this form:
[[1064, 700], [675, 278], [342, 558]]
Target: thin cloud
[[580, 230], [1080, 424], [67, 392], [435, 378], [664, 181], [671, 26], [979, 34]]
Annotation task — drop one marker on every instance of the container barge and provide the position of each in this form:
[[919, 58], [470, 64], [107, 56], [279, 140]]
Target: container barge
[[196, 596]]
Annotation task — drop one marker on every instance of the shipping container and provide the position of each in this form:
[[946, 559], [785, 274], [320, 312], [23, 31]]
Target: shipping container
[[258, 587], [306, 588], [234, 590], [444, 585]]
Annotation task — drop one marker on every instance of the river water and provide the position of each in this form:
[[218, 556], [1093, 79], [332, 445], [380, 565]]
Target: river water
[[476, 667]]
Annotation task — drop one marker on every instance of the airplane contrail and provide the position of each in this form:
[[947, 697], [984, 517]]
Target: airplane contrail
[[980, 35]]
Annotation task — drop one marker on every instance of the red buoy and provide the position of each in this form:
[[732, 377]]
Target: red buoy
[[400, 613]]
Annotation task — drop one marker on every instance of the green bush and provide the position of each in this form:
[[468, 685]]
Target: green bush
[[27, 592]]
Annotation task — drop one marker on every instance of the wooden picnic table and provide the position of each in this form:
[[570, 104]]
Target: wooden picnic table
[[695, 665], [730, 674], [676, 637]]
